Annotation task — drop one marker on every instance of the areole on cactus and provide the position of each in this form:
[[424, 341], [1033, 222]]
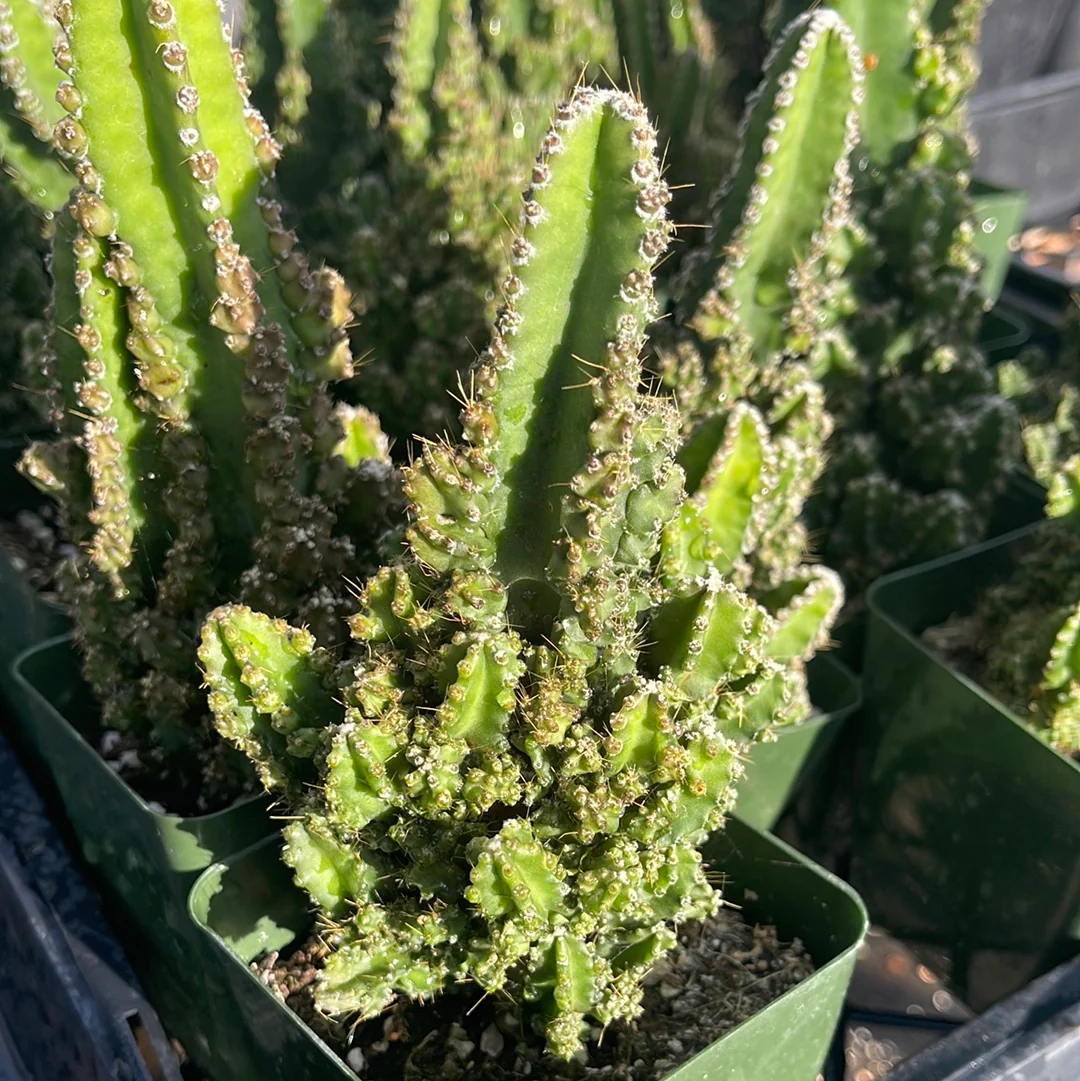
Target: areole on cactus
[[549, 695], [199, 453]]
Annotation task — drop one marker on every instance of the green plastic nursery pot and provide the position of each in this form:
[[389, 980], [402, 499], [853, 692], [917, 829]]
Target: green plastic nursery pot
[[776, 771], [145, 861], [967, 838], [999, 216], [26, 618], [248, 905]]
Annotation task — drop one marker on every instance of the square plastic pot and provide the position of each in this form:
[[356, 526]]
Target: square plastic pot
[[967, 836], [144, 862], [248, 905], [777, 771], [28, 619]]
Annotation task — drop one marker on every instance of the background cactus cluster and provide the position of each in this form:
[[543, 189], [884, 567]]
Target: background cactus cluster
[[550, 694], [1028, 629], [199, 454], [421, 123], [923, 443], [1044, 388]]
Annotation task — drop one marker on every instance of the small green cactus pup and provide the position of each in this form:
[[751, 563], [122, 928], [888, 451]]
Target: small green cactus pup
[[508, 780], [420, 147], [1030, 625], [200, 456], [754, 420], [29, 105], [923, 444]]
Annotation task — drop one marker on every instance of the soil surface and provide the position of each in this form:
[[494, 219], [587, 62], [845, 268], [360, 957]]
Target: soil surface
[[723, 971]]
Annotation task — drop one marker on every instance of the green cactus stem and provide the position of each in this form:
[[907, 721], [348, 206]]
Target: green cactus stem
[[754, 419], [508, 779], [200, 456], [923, 445], [28, 104]]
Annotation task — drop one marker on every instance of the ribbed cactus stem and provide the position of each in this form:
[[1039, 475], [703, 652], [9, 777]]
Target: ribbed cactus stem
[[789, 188], [298, 24], [920, 61], [191, 197], [28, 96], [201, 455], [570, 256]]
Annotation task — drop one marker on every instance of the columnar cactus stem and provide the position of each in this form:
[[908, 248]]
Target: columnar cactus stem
[[754, 419], [535, 730], [192, 347]]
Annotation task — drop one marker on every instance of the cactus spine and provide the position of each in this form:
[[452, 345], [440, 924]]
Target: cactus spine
[[537, 726], [191, 353]]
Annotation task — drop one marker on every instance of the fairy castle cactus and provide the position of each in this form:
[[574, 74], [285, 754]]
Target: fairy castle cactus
[[549, 695], [753, 418], [199, 455], [923, 443], [420, 124]]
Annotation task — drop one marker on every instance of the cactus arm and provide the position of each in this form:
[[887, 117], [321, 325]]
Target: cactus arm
[[576, 255], [333, 873], [420, 49], [298, 24], [118, 439], [784, 193], [27, 36], [804, 608], [885, 31], [268, 689], [715, 526]]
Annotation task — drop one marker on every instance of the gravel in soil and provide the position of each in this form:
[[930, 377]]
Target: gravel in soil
[[723, 971]]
